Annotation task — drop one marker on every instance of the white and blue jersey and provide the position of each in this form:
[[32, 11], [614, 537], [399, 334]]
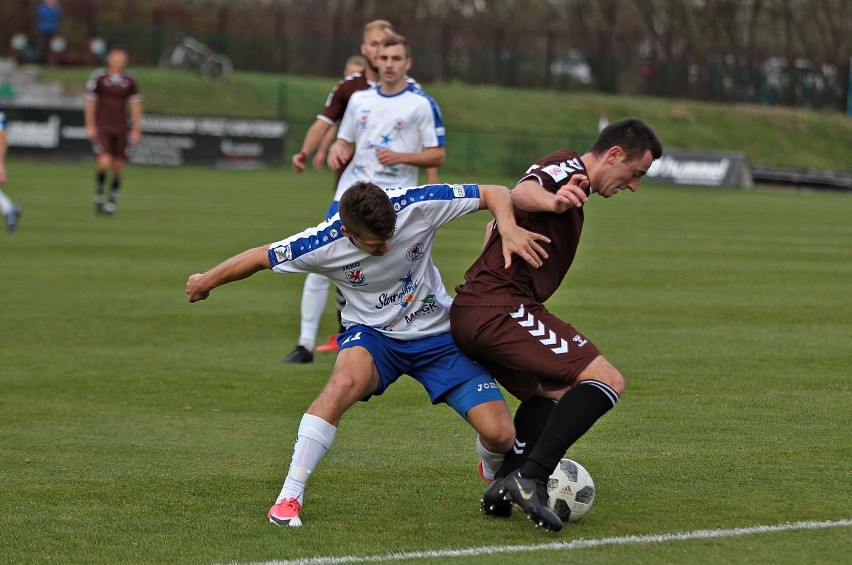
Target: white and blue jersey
[[405, 122], [396, 304], [400, 293]]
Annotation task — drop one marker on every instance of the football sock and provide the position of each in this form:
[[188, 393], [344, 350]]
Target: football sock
[[340, 302], [100, 179], [573, 415], [314, 295], [490, 461], [530, 419], [314, 440], [115, 189], [5, 204]]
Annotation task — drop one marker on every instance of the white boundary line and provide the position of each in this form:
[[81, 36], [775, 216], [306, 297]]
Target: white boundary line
[[576, 544]]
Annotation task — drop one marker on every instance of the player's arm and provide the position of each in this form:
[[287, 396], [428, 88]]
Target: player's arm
[[3, 146], [516, 239], [322, 150], [89, 114], [428, 157], [530, 196], [432, 175], [135, 120], [238, 267], [312, 141]]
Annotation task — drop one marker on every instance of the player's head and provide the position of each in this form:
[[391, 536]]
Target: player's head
[[368, 217], [374, 32], [622, 153], [354, 64], [116, 60], [394, 60]]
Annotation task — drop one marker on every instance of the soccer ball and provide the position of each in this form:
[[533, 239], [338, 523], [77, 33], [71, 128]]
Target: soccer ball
[[570, 490]]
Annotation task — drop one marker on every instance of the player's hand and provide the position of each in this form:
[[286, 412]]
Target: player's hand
[[387, 157], [572, 194], [91, 132], [135, 136], [298, 161], [2, 175], [524, 243], [194, 290], [339, 154]]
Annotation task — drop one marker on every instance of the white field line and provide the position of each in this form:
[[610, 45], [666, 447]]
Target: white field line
[[576, 544]]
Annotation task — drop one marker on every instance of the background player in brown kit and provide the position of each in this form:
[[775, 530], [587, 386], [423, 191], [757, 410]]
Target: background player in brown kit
[[498, 317], [110, 92]]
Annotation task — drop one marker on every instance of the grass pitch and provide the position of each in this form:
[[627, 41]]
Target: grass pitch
[[136, 428]]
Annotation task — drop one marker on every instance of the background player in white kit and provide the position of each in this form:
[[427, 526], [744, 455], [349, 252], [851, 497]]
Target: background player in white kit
[[396, 314], [388, 131]]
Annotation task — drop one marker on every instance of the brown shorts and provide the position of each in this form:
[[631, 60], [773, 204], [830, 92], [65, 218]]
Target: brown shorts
[[112, 143], [523, 347]]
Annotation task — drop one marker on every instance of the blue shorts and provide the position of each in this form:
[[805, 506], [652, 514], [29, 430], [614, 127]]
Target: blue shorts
[[435, 362]]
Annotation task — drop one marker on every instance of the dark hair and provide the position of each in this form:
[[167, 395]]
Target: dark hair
[[365, 207], [631, 134], [396, 39]]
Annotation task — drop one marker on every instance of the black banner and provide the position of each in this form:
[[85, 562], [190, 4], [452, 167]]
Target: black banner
[[167, 140], [678, 166]]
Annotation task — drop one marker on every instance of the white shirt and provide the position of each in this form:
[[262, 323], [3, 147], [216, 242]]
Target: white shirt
[[400, 293], [405, 122]]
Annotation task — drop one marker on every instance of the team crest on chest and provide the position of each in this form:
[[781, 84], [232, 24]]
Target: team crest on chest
[[355, 274], [415, 252]]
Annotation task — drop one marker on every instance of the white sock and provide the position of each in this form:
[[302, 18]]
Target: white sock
[[490, 461], [315, 437], [314, 295], [5, 204]]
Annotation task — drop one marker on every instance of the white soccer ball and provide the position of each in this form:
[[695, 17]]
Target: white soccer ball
[[570, 490]]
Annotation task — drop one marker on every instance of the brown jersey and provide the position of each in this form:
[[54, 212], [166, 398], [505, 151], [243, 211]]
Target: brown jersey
[[112, 92], [487, 283], [338, 99]]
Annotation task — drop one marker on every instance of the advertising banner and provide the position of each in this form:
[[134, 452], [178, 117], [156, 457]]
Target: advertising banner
[[678, 166], [166, 141]]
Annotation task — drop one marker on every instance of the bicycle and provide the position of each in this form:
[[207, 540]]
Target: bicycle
[[189, 54]]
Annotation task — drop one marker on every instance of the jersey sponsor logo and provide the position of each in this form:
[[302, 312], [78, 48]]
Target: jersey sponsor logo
[[580, 340], [283, 253], [364, 120], [414, 252], [458, 191], [403, 297], [430, 304]]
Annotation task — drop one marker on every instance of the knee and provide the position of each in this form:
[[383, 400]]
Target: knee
[[499, 437], [602, 370]]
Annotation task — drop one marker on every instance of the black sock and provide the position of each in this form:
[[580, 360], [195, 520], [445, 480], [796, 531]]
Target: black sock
[[530, 419], [100, 178], [573, 415], [116, 187]]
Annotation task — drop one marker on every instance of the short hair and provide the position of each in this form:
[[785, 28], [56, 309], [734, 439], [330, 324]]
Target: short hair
[[396, 39], [378, 24], [365, 207], [631, 134], [358, 60]]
